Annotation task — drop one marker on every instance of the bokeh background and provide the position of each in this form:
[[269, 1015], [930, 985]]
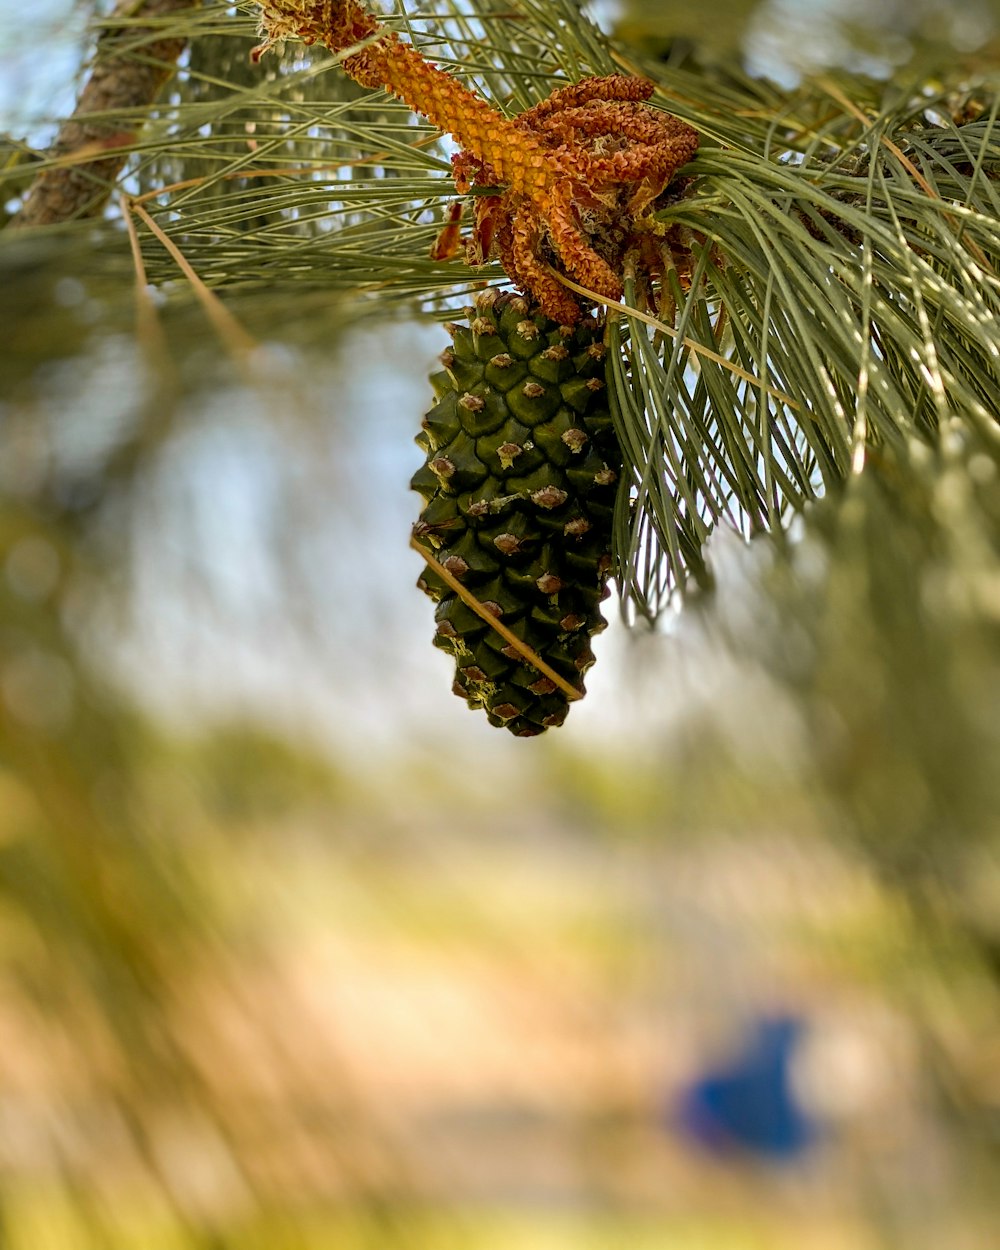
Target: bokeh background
[[297, 952]]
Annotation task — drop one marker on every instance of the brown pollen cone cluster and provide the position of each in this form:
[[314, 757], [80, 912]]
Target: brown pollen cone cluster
[[578, 175]]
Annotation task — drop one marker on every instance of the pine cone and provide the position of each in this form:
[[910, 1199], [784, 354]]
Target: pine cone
[[519, 487]]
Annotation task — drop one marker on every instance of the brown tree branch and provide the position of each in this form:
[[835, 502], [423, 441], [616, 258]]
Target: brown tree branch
[[130, 68]]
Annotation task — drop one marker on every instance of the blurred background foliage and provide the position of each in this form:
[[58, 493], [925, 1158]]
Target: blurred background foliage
[[298, 953], [889, 35]]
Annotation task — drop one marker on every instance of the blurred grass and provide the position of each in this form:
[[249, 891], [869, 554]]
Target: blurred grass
[[269, 985], [39, 1223]]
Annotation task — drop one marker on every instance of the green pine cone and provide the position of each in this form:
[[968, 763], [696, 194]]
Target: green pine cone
[[519, 489]]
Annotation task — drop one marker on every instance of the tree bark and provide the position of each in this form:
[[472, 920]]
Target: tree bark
[[130, 68]]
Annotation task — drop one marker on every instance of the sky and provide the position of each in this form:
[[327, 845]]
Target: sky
[[36, 87]]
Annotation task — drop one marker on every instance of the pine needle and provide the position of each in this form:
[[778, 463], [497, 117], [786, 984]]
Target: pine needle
[[846, 235], [232, 334]]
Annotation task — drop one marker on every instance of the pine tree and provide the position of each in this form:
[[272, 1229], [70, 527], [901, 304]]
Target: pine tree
[[519, 484], [810, 363]]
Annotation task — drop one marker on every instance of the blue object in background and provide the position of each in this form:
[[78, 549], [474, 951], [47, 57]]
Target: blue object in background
[[748, 1106]]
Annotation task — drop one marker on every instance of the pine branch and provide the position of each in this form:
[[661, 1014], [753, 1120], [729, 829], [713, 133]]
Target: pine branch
[[841, 293], [133, 62]]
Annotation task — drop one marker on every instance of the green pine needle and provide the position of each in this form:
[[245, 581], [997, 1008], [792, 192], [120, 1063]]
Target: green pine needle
[[846, 237]]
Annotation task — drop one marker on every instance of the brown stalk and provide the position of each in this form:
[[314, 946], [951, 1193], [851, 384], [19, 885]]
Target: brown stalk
[[130, 68]]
